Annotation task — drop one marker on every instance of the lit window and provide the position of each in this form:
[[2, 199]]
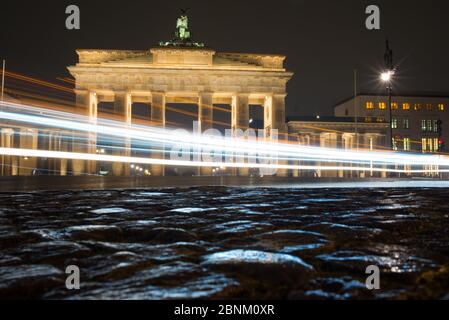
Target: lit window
[[394, 106], [441, 107], [436, 145], [368, 119], [429, 125], [417, 106], [435, 126], [424, 144], [406, 144], [371, 143], [406, 106], [429, 107], [380, 119], [394, 123], [430, 144], [370, 105], [395, 144], [406, 123], [423, 125], [382, 105]]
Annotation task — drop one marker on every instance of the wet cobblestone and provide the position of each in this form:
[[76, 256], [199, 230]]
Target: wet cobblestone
[[222, 242]]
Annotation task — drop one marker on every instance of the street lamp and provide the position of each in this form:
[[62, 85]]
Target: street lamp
[[387, 78]]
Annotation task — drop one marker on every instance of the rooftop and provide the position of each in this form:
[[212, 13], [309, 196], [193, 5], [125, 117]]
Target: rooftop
[[444, 95], [325, 119]]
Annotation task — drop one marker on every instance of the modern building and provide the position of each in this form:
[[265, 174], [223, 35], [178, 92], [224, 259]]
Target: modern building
[[420, 123]]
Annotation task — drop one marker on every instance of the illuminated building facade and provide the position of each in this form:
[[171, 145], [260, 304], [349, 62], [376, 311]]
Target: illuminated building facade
[[162, 75], [178, 71], [342, 133], [418, 121]]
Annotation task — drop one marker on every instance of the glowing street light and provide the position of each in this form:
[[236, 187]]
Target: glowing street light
[[387, 76]]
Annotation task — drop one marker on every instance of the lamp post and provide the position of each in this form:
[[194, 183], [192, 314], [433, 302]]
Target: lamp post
[[387, 78], [3, 80]]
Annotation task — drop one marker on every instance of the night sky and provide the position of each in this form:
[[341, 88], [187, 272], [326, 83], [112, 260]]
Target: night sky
[[324, 40]]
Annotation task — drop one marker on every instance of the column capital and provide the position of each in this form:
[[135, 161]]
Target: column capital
[[205, 94], [81, 91], [158, 93], [279, 95], [241, 94]]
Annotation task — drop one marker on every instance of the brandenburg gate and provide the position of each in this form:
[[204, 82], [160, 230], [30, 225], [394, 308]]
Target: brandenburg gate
[[179, 71]]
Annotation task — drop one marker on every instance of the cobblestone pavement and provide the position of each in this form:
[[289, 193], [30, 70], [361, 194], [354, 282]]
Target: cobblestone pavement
[[222, 242]]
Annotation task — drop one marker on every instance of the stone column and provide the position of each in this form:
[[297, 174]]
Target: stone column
[[205, 121], [123, 109], [240, 124], [28, 140], [324, 143], [51, 163], [7, 141], [277, 113], [158, 119], [64, 145], [88, 102], [340, 145], [333, 144], [299, 141]]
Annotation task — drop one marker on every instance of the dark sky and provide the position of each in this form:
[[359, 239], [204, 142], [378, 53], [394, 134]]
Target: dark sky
[[324, 40]]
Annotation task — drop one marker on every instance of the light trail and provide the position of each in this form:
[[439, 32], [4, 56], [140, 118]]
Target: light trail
[[176, 110], [148, 161], [229, 147]]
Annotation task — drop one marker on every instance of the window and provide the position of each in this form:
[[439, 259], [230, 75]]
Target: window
[[423, 125], [435, 126], [394, 106], [382, 105], [424, 144], [368, 119], [380, 119], [406, 144], [371, 143], [395, 144], [394, 123], [441, 107], [417, 106], [406, 106], [430, 145], [429, 107], [406, 123], [370, 105], [429, 125]]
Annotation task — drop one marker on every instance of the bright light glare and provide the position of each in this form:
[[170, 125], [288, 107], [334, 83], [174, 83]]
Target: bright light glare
[[386, 76], [269, 154]]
